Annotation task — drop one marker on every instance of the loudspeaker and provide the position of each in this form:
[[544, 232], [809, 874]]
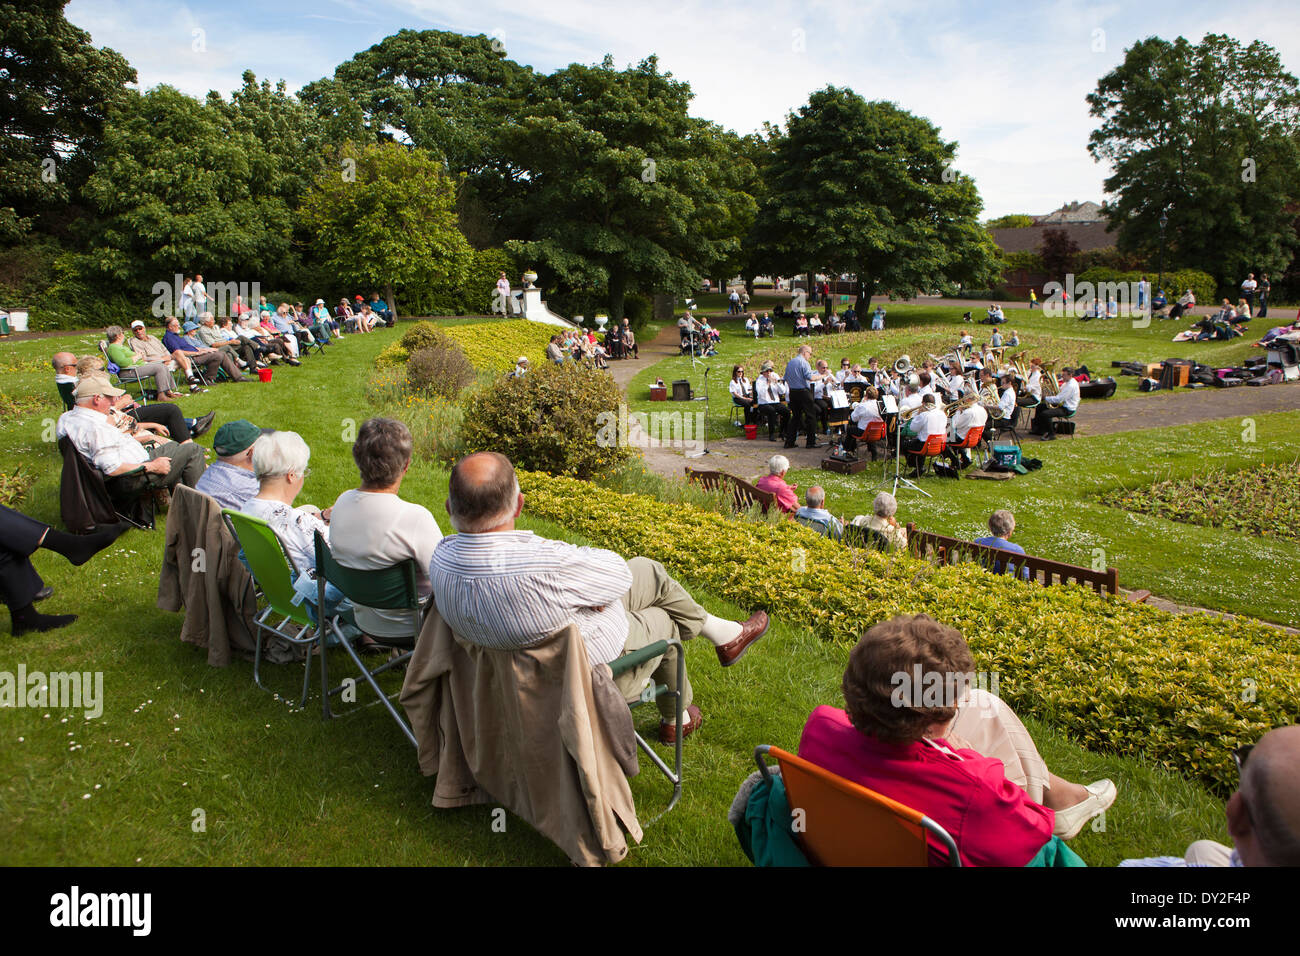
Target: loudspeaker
[[681, 390]]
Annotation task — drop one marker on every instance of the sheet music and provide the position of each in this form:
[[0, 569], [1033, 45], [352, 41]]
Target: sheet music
[[891, 404]]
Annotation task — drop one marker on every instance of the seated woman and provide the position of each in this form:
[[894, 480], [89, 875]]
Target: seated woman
[[751, 324], [964, 760], [882, 520], [742, 394], [801, 324]]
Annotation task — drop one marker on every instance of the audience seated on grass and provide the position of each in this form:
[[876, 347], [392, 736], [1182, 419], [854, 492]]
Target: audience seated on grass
[[814, 514], [916, 730], [774, 482], [1264, 813], [502, 588], [1002, 525], [882, 520], [230, 479], [374, 528]]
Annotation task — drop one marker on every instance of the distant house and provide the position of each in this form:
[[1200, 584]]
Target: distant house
[[1082, 221]]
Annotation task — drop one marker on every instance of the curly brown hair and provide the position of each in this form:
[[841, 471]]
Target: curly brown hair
[[894, 647]]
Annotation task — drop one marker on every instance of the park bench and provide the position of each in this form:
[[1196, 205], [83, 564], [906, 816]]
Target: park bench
[[1041, 570], [743, 495]]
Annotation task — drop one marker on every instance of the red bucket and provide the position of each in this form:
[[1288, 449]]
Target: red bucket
[[264, 374], [751, 432]]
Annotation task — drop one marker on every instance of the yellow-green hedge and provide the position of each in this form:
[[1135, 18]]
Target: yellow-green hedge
[[1180, 691], [490, 346]]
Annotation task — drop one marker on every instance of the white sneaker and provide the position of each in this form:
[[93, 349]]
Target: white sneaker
[[1071, 820]]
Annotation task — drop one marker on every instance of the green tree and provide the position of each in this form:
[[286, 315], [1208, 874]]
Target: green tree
[[621, 190], [869, 189], [1208, 133], [178, 190], [388, 219], [55, 91], [1012, 221]]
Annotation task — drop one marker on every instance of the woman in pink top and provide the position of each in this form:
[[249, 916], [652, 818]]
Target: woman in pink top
[[774, 481], [901, 736]]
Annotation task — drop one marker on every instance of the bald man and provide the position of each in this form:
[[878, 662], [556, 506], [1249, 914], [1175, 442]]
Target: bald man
[[502, 588], [1264, 813]]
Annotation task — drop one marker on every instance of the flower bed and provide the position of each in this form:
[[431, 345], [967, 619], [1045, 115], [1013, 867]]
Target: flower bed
[[1261, 500], [490, 346], [1125, 678]]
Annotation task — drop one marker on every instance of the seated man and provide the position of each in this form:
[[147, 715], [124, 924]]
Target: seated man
[[774, 481], [167, 415], [132, 368], [502, 588], [860, 419], [230, 479], [851, 323], [965, 761], [151, 351], [814, 513], [209, 359], [767, 325], [1263, 814], [970, 415], [380, 308], [554, 351], [1061, 405], [627, 340], [269, 345], [1002, 524], [20, 586], [90, 429], [374, 528], [770, 393], [882, 520], [929, 421], [287, 325], [224, 339]]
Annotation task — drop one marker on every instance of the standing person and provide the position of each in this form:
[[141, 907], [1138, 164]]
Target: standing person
[[1033, 298], [502, 294], [200, 293], [1144, 293], [1248, 293], [733, 302], [744, 300], [185, 305], [1264, 287], [800, 378]]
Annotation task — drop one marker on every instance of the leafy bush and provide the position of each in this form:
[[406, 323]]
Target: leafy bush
[[548, 420], [442, 371], [1263, 500], [1026, 260], [395, 354], [423, 335], [1176, 283], [489, 346], [1181, 691]]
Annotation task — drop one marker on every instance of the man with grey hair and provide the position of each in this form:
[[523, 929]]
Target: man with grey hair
[[814, 513], [882, 521], [239, 349], [1002, 524], [132, 368], [1264, 813], [503, 588]]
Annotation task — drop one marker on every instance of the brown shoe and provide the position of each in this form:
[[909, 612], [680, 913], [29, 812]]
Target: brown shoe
[[668, 732], [750, 631]]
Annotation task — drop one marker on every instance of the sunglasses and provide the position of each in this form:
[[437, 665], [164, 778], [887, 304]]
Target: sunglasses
[[1241, 755]]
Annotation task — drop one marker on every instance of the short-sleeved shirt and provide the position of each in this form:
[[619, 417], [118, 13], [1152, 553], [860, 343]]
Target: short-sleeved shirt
[[102, 444]]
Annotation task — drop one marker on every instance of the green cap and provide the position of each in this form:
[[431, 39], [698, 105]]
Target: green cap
[[234, 437]]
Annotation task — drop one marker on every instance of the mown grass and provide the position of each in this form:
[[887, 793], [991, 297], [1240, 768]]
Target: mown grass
[[278, 786]]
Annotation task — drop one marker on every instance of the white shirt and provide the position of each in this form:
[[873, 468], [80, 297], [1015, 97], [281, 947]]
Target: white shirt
[[99, 441], [296, 527], [770, 391], [968, 418], [1008, 402], [933, 422], [1035, 383], [740, 387], [1249, 285], [374, 530], [1068, 396], [909, 401], [199, 291], [512, 589], [867, 410]]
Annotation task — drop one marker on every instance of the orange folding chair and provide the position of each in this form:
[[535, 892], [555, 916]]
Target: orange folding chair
[[841, 823], [934, 447], [973, 438]]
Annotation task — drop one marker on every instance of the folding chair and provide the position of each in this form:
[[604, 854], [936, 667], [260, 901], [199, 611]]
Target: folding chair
[[822, 527], [859, 536], [1001, 426], [974, 437], [273, 570], [65, 394], [934, 447], [653, 691], [308, 341], [389, 589], [847, 824], [122, 377]]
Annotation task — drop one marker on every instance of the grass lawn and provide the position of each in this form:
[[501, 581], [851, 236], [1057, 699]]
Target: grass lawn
[[279, 786]]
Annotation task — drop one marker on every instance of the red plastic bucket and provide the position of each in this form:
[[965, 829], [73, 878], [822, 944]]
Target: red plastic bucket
[[264, 374], [751, 432]]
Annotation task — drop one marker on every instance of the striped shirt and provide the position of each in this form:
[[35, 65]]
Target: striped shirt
[[512, 589]]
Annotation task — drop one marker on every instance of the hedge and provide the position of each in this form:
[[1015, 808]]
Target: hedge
[[1202, 284], [490, 346], [1179, 691]]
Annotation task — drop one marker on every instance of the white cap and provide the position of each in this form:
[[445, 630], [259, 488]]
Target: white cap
[[137, 324], [522, 360], [320, 301]]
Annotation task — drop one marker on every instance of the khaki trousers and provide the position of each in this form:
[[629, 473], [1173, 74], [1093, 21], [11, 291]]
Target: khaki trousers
[[989, 727], [657, 608]]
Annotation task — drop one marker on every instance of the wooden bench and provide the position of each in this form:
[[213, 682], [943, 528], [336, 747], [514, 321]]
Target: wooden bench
[[743, 495], [1044, 571]]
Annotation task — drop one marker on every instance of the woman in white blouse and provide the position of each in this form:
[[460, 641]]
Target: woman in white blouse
[[742, 394]]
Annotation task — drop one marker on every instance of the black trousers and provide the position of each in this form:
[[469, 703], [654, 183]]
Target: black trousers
[[802, 412], [1043, 418], [777, 416], [751, 410], [20, 536], [167, 415]]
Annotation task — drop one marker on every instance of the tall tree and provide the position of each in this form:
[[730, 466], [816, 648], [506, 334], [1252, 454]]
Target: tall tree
[[1058, 252], [391, 222], [619, 189], [55, 91], [869, 189], [1208, 133]]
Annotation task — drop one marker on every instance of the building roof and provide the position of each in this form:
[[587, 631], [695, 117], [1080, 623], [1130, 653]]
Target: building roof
[[1087, 236], [1076, 211]]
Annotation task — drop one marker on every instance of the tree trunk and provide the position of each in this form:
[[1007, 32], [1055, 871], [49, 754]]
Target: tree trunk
[[865, 288], [390, 299], [617, 296], [749, 286]]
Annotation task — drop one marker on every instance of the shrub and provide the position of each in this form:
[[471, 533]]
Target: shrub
[[489, 346], [423, 335], [395, 354], [1181, 691], [439, 370], [548, 420]]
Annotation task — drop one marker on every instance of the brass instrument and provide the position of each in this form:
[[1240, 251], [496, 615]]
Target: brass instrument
[[988, 397], [1050, 386]]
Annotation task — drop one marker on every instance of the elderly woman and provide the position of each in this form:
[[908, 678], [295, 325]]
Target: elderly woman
[[268, 345], [882, 520], [774, 481], [132, 367], [951, 751]]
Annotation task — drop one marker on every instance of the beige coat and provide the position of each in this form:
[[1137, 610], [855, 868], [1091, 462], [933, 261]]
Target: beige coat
[[201, 571], [535, 730]]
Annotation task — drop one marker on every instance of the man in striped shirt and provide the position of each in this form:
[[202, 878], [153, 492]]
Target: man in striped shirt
[[502, 588]]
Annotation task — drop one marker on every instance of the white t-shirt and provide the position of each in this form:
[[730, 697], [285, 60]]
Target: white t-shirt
[[373, 530]]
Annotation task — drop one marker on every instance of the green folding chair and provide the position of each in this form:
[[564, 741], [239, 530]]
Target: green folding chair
[[651, 692], [274, 571], [388, 589]]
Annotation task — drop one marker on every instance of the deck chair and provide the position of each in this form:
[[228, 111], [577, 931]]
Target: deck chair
[[274, 572], [124, 377], [65, 394], [846, 824], [653, 691], [390, 589]]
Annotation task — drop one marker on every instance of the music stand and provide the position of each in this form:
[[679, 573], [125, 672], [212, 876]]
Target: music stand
[[898, 459]]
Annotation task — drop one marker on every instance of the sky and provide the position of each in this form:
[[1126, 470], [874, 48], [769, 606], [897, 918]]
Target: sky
[[1007, 81]]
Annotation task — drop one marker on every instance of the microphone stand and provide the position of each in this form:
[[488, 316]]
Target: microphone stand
[[705, 450]]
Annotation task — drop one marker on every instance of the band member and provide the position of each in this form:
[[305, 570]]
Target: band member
[[970, 414], [863, 414], [1062, 405], [742, 394], [770, 393], [1008, 400], [822, 393], [930, 420], [872, 371], [911, 399], [801, 378], [1035, 384]]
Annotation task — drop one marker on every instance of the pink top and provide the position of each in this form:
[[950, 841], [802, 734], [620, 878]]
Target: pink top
[[992, 820], [786, 499]]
